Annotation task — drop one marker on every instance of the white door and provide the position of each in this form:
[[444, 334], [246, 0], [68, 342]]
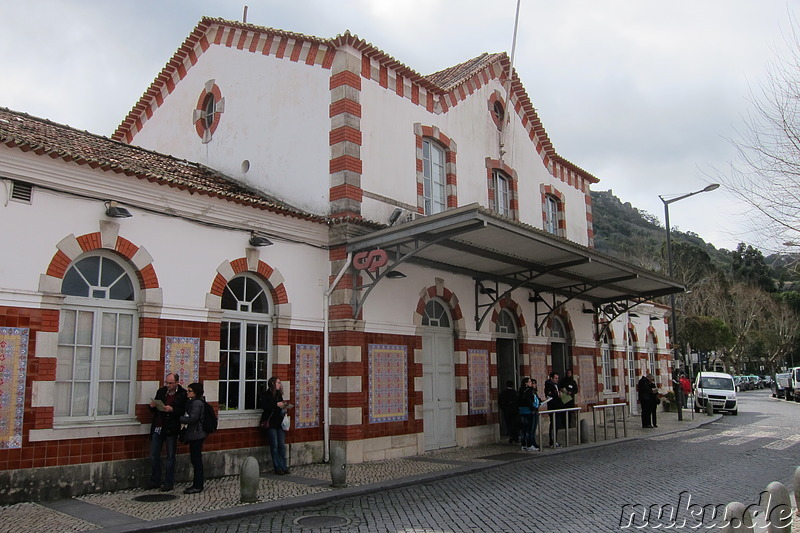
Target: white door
[[439, 394], [633, 395]]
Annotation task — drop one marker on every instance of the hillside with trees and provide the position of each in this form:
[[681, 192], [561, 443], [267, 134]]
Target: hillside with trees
[[740, 305]]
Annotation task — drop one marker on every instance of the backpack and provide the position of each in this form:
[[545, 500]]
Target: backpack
[[210, 421], [536, 401]]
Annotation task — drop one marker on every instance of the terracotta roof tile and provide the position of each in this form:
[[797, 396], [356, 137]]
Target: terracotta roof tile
[[43, 137], [450, 77]]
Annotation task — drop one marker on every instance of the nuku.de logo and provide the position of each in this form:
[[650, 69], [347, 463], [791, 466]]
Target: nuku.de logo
[[688, 515]]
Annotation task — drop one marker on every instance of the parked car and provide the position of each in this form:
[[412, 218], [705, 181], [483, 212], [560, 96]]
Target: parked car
[[794, 384], [717, 388], [755, 381], [766, 381], [738, 385], [781, 384]]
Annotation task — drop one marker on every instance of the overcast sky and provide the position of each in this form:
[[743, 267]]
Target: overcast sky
[[641, 93]]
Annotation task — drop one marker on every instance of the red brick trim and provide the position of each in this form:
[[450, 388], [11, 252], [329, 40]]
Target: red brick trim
[[558, 196], [450, 154], [263, 270], [513, 185]]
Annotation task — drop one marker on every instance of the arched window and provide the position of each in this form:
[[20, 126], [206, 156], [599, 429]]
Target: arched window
[[95, 369], [506, 323], [245, 343], [608, 378], [434, 178], [436, 315]]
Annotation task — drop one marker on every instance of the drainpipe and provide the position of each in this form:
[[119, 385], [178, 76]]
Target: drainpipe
[[326, 302]]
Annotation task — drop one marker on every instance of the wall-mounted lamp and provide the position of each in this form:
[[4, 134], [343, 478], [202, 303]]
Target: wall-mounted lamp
[[588, 311], [395, 274], [633, 315], [259, 240], [654, 318], [113, 210], [486, 290], [395, 215], [535, 297]]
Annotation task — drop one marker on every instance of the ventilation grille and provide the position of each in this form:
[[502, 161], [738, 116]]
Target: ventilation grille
[[21, 191]]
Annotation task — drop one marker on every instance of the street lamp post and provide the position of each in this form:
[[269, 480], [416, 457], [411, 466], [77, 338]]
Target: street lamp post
[[673, 319]]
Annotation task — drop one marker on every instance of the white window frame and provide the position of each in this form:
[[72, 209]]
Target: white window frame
[[246, 320], [100, 311], [502, 196], [434, 177], [551, 214], [608, 377], [651, 353]]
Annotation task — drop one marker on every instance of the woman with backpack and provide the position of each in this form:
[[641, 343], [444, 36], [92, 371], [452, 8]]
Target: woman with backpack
[[528, 402], [194, 435]]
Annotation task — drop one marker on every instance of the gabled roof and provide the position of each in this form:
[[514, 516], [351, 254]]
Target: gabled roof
[[43, 137], [449, 86]]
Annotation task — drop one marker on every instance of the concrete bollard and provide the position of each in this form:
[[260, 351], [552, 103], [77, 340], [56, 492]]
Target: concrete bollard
[[338, 468], [249, 476], [779, 509], [709, 408], [584, 431], [796, 483], [738, 519]]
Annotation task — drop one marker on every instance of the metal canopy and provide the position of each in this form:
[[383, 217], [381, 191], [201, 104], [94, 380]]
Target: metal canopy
[[502, 255]]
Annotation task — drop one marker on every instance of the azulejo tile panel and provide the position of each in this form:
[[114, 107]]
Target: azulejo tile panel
[[182, 355], [388, 383], [307, 385], [479, 396], [13, 369]]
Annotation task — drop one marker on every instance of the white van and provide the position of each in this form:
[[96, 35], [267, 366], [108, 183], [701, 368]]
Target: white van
[[719, 389]]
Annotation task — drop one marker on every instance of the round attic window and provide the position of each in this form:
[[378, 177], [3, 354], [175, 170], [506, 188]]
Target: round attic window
[[209, 105], [499, 112]]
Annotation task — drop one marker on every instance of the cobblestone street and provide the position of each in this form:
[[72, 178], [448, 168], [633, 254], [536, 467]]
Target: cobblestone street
[[733, 459], [488, 488]]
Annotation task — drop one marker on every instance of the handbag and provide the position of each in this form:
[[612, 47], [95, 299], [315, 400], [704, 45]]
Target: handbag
[[182, 435], [285, 423], [264, 425]]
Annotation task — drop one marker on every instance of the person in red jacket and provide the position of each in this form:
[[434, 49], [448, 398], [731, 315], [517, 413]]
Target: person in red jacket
[[686, 387]]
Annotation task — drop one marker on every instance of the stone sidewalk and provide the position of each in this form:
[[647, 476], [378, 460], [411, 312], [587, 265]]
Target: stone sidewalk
[[143, 510]]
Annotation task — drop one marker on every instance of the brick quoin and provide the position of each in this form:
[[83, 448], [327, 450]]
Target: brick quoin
[[345, 162], [345, 134], [345, 106], [345, 77], [366, 67], [343, 191]]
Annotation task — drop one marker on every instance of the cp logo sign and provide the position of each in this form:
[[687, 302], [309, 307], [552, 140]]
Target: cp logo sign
[[371, 261]]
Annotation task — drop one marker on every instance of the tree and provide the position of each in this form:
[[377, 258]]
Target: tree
[[750, 267], [767, 174]]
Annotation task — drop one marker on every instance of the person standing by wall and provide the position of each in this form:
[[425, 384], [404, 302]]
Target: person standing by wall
[[552, 390], [570, 386], [167, 406], [274, 409], [508, 406], [194, 435], [686, 387], [646, 388], [528, 406]]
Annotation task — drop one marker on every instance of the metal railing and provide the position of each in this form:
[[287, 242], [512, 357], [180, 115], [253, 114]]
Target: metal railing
[[552, 413], [602, 408]]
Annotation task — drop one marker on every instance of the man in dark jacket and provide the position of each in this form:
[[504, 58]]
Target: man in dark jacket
[[167, 407], [647, 399], [552, 390]]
